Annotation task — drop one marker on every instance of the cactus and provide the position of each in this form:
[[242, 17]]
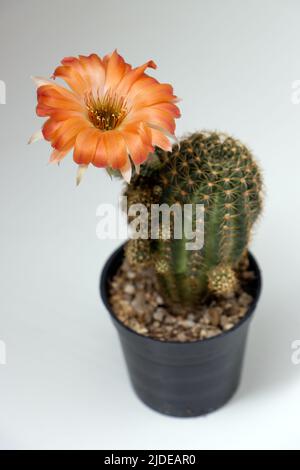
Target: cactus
[[219, 172]]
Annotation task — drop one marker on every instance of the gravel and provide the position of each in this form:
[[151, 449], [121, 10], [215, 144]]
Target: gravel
[[137, 302]]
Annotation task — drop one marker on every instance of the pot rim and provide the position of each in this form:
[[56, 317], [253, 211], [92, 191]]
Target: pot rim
[[105, 299]]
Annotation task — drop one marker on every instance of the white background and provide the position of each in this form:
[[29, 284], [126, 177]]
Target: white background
[[65, 384]]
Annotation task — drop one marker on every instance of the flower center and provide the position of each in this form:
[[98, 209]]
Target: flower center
[[106, 112]]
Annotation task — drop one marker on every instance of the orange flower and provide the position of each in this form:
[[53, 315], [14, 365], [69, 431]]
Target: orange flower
[[111, 115]]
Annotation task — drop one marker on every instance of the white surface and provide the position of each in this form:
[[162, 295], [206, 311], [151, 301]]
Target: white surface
[[65, 384]]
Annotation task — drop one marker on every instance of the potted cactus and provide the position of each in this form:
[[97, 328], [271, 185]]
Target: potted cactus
[[182, 309], [179, 374]]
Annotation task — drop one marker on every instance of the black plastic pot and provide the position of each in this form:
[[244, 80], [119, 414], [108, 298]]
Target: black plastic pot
[[183, 379]]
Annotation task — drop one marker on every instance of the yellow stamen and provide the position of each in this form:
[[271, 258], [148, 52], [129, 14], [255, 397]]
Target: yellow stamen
[[106, 112]]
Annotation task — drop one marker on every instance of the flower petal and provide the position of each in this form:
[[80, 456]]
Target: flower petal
[[141, 84], [53, 97], [101, 158], [115, 70], [131, 77], [116, 149], [73, 78], [152, 95], [138, 143], [80, 172], [50, 128], [126, 171], [85, 146], [94, 69], [41, 81], [154, 115], [66, 134], [38, 135], [160, 140], [56, 156]]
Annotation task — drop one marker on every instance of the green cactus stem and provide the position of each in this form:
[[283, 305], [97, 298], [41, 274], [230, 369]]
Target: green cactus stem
[[219, 172]]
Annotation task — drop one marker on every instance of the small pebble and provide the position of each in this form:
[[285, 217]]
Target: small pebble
[[245, 299], [188, 323], [169, 320], [129, 289], [227, 306], [181, 337], [223, 320], [139, 302], [212, 333], [206, 318], [159, 314], [215, 315], [130, 275], [159, 300]]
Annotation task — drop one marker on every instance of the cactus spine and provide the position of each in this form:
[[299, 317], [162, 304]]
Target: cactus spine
[[219, 172]]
